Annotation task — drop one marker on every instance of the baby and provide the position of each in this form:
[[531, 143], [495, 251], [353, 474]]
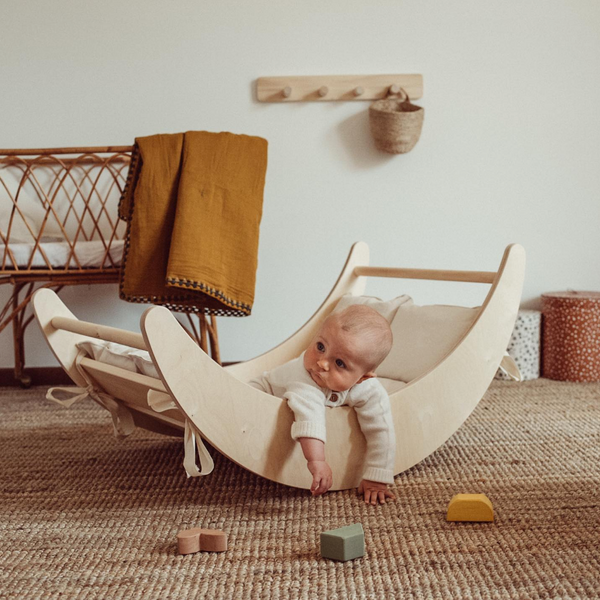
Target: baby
[[338, 368]]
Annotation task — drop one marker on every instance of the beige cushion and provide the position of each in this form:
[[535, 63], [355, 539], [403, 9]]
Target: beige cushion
[[120, 356], [110, 353], [385, 308], [391, 385], [423, 336], [144, 364]]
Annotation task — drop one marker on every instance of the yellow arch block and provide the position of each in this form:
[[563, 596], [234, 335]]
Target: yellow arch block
[[470, 507]]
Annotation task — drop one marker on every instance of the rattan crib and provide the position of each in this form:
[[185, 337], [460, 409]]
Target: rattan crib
[[59, 227]]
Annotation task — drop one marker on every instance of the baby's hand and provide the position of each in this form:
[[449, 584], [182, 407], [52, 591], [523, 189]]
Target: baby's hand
[[374, 491], [322, 476]]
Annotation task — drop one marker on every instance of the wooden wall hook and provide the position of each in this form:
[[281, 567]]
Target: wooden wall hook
[[341, 88]]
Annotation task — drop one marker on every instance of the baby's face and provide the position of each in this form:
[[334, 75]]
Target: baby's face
[[333, 359]]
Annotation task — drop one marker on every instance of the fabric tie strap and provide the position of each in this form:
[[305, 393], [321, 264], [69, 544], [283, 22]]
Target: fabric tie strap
[[193, 443], [122, 418], [509, 367], [192, 440]]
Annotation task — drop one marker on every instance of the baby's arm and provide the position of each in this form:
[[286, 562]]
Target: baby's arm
[[314, 452], [308, 405], [375, 420]]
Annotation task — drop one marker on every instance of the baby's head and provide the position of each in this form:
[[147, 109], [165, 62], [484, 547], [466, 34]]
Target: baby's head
[[348, 348]]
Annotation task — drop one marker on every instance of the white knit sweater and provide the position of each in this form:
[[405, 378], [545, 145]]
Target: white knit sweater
[[307, 400]]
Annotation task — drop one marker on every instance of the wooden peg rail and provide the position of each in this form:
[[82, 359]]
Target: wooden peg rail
[[322, 88]]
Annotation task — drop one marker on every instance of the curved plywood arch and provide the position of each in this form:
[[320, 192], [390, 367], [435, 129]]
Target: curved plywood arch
[[253, 428], [347, 283], [432, 407]]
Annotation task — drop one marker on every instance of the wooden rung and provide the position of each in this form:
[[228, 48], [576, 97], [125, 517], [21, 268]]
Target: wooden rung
[[323, 88], [432, 274], [101, 332]]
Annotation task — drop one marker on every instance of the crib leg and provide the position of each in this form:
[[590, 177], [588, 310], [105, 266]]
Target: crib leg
[[214, 339], [18, 340], [209, 329], [203, 340]]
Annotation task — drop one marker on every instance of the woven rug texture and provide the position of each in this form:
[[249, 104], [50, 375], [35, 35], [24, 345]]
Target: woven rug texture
[[84, 515]]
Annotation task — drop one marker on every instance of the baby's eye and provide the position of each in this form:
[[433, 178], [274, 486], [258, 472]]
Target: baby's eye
[[340, 363], [320, 347]]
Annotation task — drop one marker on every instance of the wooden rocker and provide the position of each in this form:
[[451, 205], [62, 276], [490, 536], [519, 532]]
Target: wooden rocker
[[252, 428]]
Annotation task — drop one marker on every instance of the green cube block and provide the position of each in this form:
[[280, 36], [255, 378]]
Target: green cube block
[[344, 543]]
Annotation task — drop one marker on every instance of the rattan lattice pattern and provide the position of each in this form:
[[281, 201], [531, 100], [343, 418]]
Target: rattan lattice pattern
[[67, 196]]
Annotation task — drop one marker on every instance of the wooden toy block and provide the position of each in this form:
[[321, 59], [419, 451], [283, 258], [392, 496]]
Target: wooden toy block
[[213, 540], [344, 543], [470, 507], [188, 541], [205, 540]]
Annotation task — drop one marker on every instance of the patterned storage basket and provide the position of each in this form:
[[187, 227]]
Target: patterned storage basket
[[571, 336], [525, 343]]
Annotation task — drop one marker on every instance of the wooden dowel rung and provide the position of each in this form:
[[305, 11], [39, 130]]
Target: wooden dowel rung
[[432, 274], [101, 332]]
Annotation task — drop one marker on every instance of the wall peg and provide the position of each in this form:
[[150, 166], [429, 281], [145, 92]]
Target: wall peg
[[325, 88]]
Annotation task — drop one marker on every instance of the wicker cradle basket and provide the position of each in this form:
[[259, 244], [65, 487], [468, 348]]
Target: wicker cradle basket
[[396, 124]]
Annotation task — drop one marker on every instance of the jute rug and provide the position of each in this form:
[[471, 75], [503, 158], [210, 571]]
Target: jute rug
[[86, 516]]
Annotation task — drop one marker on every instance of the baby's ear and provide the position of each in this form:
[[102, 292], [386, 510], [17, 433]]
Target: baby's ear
[[367, 376]]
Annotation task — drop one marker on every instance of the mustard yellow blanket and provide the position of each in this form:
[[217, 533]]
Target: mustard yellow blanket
[[193, 202]]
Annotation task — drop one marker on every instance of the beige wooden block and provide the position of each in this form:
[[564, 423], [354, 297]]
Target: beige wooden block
[[188, 541], [470, 507], [213, 540], [201, 540]]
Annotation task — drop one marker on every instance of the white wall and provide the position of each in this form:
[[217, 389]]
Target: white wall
[[510, 149]]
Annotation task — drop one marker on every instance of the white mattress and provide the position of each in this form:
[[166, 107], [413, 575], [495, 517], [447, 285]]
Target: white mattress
[[89, 254]]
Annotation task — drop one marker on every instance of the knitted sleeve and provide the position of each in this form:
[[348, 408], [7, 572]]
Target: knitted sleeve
[[372, 405], [308, 404]]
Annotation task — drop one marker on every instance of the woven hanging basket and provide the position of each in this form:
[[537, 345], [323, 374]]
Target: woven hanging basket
[[396, 124]]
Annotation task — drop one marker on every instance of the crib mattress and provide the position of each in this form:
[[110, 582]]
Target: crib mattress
[[90, 254]]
